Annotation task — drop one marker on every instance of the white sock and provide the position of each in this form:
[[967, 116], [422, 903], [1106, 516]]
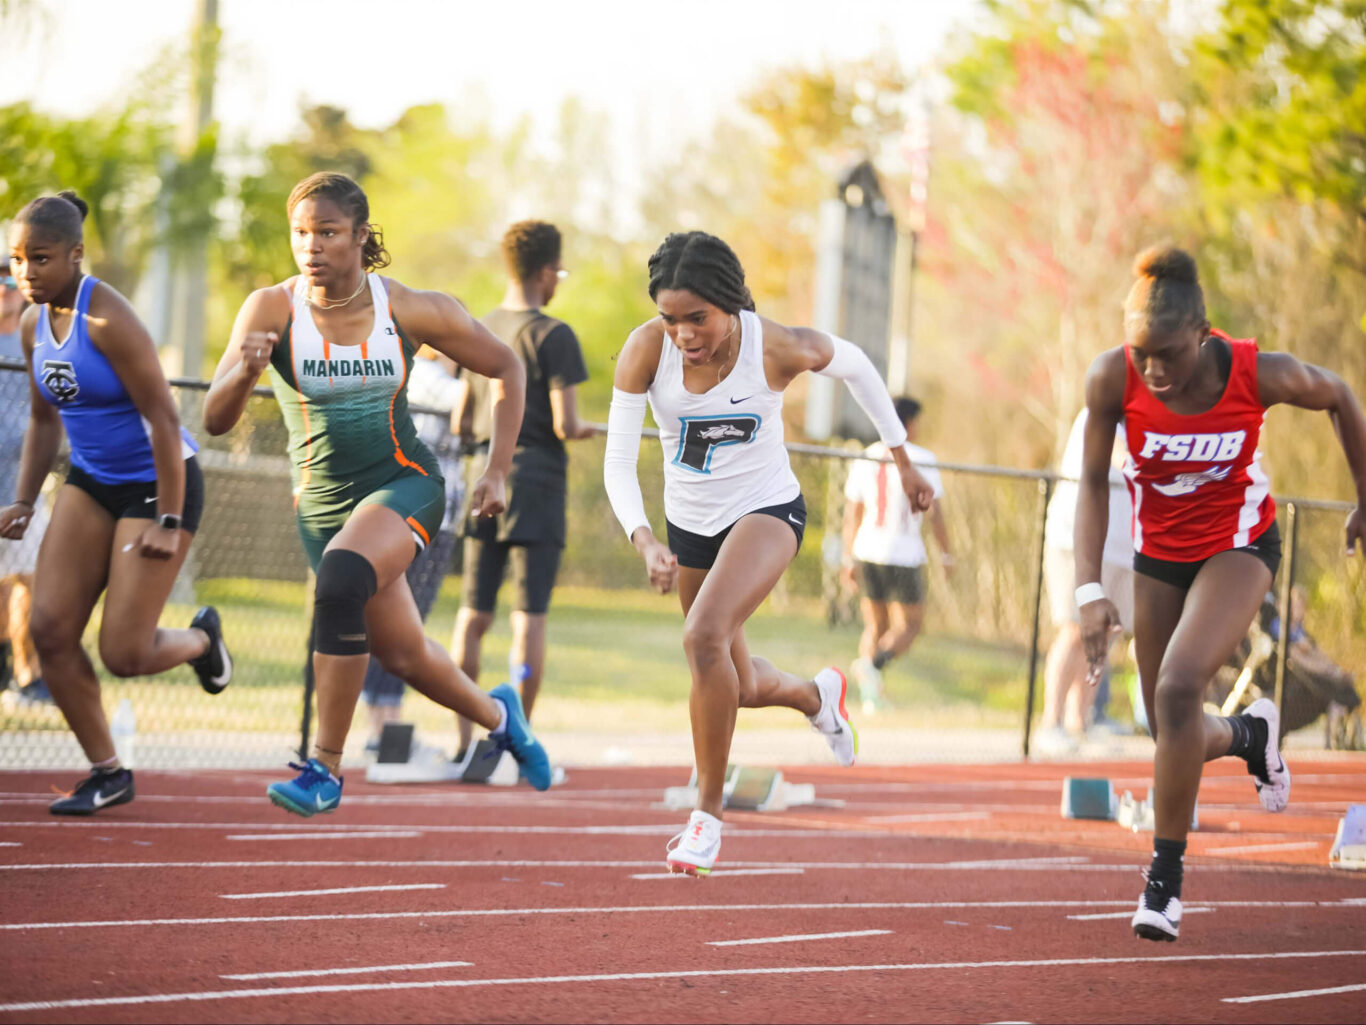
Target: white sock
[[502, 718], [108, 765], [700, 814]]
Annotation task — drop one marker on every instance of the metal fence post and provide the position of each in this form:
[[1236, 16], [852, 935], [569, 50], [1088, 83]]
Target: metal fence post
[[1045, 494], [1292, 529]]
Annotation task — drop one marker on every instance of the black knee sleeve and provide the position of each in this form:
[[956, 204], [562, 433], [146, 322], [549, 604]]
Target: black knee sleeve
[[346, 581]]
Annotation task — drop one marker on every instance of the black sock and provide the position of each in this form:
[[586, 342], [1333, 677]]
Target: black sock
[[881, 658], [1167, 868], [1249, 741]]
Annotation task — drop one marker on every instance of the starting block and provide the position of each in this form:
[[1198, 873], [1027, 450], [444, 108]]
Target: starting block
[[747, 789], [401, 760], [1088, 798], [1349, 846], [1138, 815]]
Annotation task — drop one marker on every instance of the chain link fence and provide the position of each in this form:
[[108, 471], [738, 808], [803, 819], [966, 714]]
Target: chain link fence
[[967, 691]]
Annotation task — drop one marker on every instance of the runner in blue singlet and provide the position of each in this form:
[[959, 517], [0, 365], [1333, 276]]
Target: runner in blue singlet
[[123, 522]]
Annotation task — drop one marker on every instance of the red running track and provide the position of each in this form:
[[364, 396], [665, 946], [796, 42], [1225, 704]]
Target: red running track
[[968, 898]]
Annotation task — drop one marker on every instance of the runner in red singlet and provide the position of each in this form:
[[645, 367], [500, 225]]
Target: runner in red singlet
[[1206, 546]]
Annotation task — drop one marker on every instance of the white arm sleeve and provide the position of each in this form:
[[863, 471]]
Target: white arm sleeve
[[624, 424], [856, 370]]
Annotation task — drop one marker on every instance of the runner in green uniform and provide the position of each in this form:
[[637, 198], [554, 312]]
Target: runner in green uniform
[[339, 341]]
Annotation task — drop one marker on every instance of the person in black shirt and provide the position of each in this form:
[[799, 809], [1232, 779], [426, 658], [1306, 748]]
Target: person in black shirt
[[531, 533]]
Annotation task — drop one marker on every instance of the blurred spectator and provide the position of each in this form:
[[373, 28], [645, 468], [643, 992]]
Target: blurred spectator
[[1067, 701], [885, 555], [530, 534]]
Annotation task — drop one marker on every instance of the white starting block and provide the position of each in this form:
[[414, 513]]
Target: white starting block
[[1138, 815], [747, 789], [1349, 846], [402, 760]]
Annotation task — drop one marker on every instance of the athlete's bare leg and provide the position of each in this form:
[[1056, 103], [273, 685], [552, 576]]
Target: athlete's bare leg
[[717, 602], [131, 643], [1180, 647], [396, 635], [528, 649], [467, 647], [66, 584], [1063, 672], [904, 627], [875, 624]]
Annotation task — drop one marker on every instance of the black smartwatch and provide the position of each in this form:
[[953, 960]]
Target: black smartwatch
[[168, 521]]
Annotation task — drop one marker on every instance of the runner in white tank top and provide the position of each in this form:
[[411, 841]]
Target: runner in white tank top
[[714, 373]]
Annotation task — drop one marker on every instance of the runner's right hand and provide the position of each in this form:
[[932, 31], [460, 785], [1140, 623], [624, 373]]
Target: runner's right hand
[[256, 349], [14, 520], [661, 564], [1099, 624]]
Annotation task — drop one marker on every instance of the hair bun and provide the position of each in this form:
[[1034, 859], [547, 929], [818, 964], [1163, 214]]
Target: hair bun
[[1166, 263], [75, 201]]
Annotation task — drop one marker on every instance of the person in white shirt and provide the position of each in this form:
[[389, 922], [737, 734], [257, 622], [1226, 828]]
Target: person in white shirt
[[1065, 695], [884, 554]]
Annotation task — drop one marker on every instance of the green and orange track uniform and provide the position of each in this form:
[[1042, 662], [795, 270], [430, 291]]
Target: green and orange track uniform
[[351, 439]]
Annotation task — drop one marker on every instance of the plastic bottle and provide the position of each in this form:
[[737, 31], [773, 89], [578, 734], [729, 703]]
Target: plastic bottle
[[124, 728]]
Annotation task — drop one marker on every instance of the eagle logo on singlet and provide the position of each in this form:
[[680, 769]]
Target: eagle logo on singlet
[[1185, 483], [59, 377], [720, 432]]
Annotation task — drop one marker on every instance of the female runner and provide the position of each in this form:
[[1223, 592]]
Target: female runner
[[714, 373], [125, 517], [1206, 546], [339, 343]]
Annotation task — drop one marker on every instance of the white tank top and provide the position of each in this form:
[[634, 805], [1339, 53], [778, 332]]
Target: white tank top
[[723, 449]]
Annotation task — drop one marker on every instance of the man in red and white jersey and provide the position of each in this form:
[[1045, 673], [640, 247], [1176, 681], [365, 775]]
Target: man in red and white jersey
[[1206, 546]]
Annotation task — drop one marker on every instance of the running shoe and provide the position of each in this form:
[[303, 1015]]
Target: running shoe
[[1159, 913], [832, 721], [96, 792], [1273, 779], [314, 791], [517, 738], [35, 692], [214, 667], [694, 851]]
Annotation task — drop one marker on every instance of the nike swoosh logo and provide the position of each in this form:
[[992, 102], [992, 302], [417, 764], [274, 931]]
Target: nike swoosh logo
[[735, 402], [321, 804], [150, 500], [794, 519], [102, 799]]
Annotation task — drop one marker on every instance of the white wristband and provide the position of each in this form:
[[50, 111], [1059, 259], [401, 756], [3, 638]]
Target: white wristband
[[1087, 593]]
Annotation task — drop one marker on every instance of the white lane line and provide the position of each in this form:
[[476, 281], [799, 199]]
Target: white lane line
[[953, 816], [10, 843], [650, 829], [275, 992], [799, 938], [339, 889], [1297, 994], [348, 834], [1026, 865], [423, 967], [645, 909], [1126, 914], [719, 873], [1253, 848]]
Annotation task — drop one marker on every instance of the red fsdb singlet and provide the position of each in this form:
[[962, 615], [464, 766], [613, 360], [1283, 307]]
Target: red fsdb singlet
[[1197, 484]]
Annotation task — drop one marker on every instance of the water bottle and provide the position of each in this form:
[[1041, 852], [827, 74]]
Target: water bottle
[[124, 727]]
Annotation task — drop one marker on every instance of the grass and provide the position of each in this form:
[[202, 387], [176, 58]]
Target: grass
[[615, 663]]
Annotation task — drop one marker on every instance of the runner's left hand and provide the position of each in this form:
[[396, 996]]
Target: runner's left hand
[[156, 542], [489, 497]]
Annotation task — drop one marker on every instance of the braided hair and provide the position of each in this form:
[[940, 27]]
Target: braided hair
[[704, 265], [58, 217], [1166, 296], [351, 198]]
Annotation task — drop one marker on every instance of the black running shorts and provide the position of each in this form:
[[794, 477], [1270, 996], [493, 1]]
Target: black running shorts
[[137, 500], [904, 585], [534, 568], [1267, 547], [698, 551]]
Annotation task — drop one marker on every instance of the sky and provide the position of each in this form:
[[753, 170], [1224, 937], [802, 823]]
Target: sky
[[662, 72]]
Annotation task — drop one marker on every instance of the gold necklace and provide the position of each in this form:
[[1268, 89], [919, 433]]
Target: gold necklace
[[332, 304], [729, 345]]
